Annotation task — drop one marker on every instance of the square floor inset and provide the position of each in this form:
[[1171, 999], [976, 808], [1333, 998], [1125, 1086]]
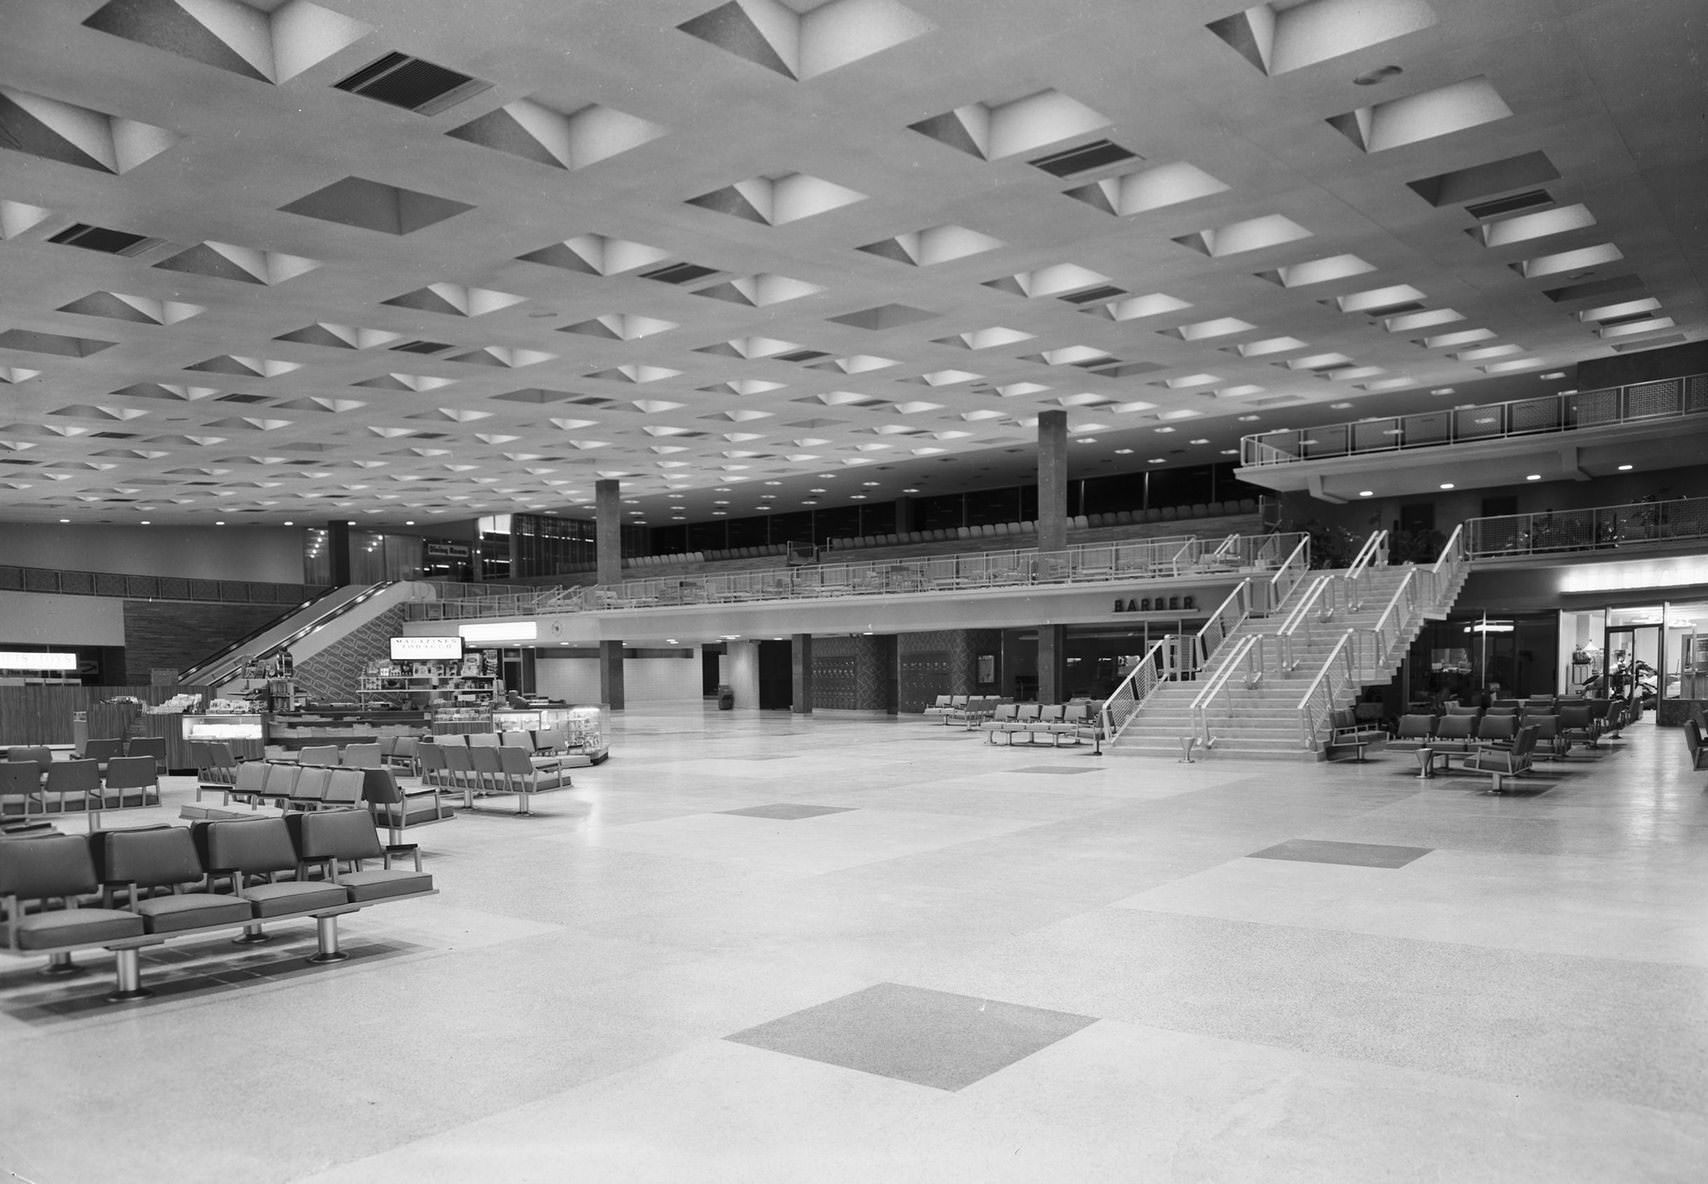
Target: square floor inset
[[1350, 854], [930, 1038], [788, 811], [1051, 769]]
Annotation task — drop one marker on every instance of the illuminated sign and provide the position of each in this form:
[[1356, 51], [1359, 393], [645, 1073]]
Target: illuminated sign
[[1153, 604], [408, 649], [1635, 576], [500, 631], [26, 660]]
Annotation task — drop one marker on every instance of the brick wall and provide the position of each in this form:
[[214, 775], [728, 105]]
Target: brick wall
[[164, 634]]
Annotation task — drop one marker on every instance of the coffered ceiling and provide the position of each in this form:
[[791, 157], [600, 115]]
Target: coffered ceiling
[[426, 259]]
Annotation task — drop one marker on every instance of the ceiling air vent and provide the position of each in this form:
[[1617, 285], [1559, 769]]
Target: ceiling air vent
[[99, 238], [1082, 159], [1529, 200], [678, 273], [412, 84], [1102, 292], [423, 347]]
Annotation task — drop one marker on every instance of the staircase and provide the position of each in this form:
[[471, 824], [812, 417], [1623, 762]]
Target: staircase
[[1271, 679]]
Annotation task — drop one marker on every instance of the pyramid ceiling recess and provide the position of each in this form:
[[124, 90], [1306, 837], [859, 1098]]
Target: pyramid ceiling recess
[[385, 259]]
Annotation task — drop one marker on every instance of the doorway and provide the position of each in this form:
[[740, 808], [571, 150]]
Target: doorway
[[1634, 658]]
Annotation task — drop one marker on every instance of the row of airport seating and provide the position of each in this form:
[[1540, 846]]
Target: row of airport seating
[[33, 782], [965, 710], [126, 890], [1059, 721], [1696, 739], [103, 750], [1497, 744], [1078, 522], [287, 785]]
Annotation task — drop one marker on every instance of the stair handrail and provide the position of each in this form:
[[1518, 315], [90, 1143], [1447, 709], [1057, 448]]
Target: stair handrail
[[1317, 705], [1311, 607], [1288, 575], [1225, 549], [1238, 656], [1385, 632], [1448, 567], [1375, 547], [226, 668], [1150, 672], [1228, 616], [1184, 556]]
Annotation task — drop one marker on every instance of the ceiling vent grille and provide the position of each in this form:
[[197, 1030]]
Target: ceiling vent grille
[[1082, 159], [678, 273], [100, 238], [1530, 199], [411, 83]]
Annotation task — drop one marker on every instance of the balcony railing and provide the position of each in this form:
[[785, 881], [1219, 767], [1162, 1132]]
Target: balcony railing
[[1594, 528], [1647, 402], [1088, 563]]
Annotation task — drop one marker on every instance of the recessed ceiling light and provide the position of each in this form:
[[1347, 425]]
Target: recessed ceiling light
[[1533, 477], [1199, 440], [1086, 440], [1249, 418], [1230, 452], [409, 522], [1158, 460], [290, 523], [870, 484], [1366, 493], [1123, 452], [1552, 374], [1162, 429], [1339, 406], [146, 522], [859, 497], [904, 491], [1624, 468], [773, 483], [1447, 485], [1442, 390], [65, 520], [351, 522]]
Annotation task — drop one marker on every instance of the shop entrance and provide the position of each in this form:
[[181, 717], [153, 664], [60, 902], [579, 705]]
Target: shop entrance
[[1634, 659]]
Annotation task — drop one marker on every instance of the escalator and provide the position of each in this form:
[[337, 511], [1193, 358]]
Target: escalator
[[285, 633]]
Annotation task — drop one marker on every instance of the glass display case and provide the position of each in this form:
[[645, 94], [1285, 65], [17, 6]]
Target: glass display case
[[246, 734], [583, 727]]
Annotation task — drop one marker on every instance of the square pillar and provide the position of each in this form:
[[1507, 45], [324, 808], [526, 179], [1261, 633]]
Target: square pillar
[[1052, 662], [611, 674], [608, 530], [800, 670], [1052, 481]]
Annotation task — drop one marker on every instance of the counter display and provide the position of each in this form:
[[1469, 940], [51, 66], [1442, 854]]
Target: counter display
[[334, 725], [583, 727], [245, 734]]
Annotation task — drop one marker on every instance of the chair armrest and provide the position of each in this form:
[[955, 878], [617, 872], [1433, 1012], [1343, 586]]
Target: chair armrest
[[413, 849]]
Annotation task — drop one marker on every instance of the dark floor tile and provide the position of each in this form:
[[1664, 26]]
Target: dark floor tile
[[930, 1038], [788, 811], [1351, 854]]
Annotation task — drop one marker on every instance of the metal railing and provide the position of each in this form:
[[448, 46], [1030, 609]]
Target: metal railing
[[1373, 647], [1288, 575], [1141, 682], [1449, 566], [1240, 657], [1333, 681], [1317, 605], [1086, 563], [1596, 528], [1227, 617], [1374, 552], [1672, 398]]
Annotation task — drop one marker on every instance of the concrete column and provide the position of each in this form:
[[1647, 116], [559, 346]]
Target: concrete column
[[611, 674], [875, 673], [338, 550], [800, 669], [904, 514], [1052, 663], [1052, 481], [608, 530]]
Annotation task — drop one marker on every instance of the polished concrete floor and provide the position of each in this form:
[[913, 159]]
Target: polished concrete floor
[[752, 947]]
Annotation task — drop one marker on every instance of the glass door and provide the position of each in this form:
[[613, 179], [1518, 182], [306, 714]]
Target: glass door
[[1634, 660]]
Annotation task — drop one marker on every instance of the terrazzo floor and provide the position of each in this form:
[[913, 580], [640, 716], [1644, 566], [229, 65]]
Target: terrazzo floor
[[905, 955]]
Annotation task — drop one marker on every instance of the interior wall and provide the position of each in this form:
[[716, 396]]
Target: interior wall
[[572, 680], [661, 680], [740, 666], [36, 618], [270, 554]]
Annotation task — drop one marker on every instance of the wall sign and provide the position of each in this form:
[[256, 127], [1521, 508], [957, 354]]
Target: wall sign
[[1154, 604]]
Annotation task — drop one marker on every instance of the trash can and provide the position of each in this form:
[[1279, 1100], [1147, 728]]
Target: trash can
[[726, 698]]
